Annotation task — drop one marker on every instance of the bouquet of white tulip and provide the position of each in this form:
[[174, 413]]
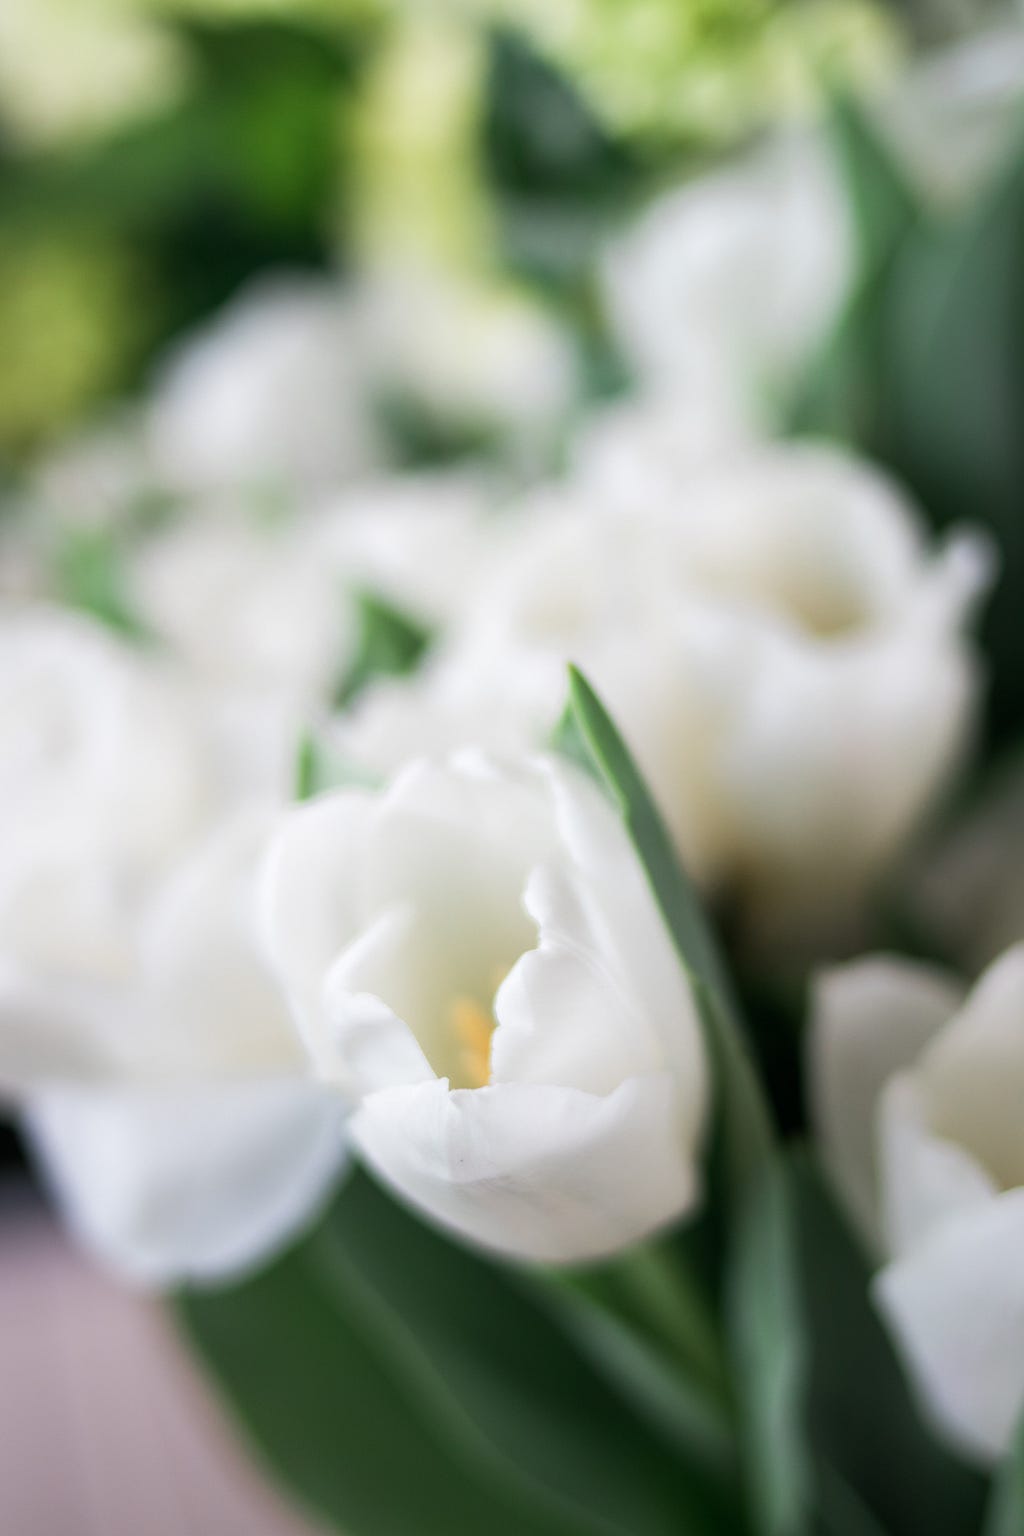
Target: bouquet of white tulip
[[489, 948]]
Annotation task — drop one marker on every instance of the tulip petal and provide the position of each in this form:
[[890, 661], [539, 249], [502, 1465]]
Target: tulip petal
[[926, 1180], [956, 1305], [309, 897], [542, 1173], [58, 1032], [197, 1184], [870, 1020]]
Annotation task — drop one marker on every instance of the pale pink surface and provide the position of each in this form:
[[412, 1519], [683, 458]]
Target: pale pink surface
[[106, 1428]]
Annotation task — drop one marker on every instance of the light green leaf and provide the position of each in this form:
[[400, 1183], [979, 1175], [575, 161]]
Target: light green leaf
[[89, 576], [389, 644], [770, 1348], [318, 768], [743, 1135]]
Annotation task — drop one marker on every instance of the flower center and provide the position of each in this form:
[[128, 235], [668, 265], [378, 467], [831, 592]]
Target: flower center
[[473, 1026]]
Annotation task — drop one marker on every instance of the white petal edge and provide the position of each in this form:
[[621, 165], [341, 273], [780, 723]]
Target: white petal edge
[[956, 1306], [869, 1020], [545, 1174], [199, 1185]]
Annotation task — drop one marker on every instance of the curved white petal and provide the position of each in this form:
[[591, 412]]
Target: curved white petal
[[210, 1005], [972, 1077], [956, 1305], [310, 897], [60, 1032], [926, 1180], [541, 1173], [870, 1020], [189, 1185]]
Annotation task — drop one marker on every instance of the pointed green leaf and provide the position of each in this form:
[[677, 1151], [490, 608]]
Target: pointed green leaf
[[883, 203], [743, 1136]]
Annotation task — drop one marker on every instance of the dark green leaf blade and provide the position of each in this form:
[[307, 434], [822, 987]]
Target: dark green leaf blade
[[1005, 1513], [857, 1455], [398, 1382]]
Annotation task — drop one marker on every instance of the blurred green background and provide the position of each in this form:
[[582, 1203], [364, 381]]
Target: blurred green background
[[156, 153]]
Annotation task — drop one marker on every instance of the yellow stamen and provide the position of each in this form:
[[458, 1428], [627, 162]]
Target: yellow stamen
[[474, 1027]]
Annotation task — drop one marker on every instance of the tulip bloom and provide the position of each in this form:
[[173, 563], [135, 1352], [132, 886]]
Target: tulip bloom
[[141, 1032], [474, 958], [918, 1093]]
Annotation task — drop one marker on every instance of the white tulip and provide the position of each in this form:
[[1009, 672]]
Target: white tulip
[[473, 359], [269, 396], [475, 957], [720, 292], [267, 605], [917, 1093], [139, 1026], [783, 653]]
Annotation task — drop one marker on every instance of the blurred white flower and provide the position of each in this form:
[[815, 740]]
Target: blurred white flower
[[266, 604], [269, 395], [139, 1025], [242, 602], [918, 1095], [723, 287], [475, 956], [94, 480], [785, 656], [473, 360], [641, 450], [70, 69], [952, 115]]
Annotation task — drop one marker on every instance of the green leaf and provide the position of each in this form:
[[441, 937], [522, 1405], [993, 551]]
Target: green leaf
[[400, 1383], [1005, 1513], [389, 644], [883, 204], [743, 1137], [839, 395], [952, 398], [318, 768], [770, 1348], [836, 1442], [89, 577]]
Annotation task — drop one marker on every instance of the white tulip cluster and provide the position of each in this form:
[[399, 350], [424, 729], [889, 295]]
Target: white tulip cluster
[[455, 967]]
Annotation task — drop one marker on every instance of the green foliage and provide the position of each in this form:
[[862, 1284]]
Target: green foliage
[[389, 644], [558, 178], [925, 370], [87, 569], [242, 172], [398, 1382], [742, 1138], [1005, 1513], [835, 1444]]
